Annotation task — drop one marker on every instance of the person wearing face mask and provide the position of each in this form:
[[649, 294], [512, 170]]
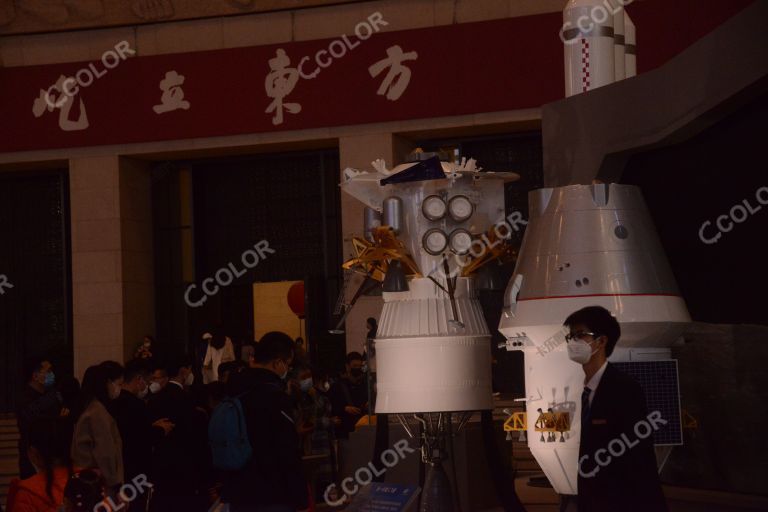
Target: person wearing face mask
[[613, 404], [144, 351], [180, 467], [96, 442], [273, 478], [306, 407], [38, 400], [137, 429], [158, 379], [349, 396]]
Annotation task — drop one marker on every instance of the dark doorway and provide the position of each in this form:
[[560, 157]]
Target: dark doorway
[[35, 313], [289, 201]]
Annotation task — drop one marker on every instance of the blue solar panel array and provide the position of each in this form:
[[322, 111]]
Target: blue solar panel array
[[662, 393]]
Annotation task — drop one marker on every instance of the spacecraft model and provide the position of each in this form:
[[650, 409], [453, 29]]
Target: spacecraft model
[[599, 43], [589, 245], [432, 231]]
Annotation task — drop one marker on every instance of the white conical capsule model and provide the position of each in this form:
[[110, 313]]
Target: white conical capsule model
[[585, 245]]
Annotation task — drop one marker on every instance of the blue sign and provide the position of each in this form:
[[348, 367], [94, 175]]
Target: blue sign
[[383, 497]]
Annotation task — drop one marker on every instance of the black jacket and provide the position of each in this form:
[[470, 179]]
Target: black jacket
[[135, 424], [343, 393], [622, 476], [181, 461], [34, 406], [274, 475]]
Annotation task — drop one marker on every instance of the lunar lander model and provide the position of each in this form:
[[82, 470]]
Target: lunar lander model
[[432, 230]]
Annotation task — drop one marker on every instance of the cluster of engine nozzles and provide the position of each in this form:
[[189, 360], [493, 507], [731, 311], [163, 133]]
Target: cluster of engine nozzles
[[458, 208], [599, 41]]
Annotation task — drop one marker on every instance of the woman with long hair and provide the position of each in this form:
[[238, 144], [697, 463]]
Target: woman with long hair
[[220, 350], [96, 442], [49, 454]]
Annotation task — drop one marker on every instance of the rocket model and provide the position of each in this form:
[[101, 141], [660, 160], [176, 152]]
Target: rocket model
[[599, 44], [431, 228], [585, 245]]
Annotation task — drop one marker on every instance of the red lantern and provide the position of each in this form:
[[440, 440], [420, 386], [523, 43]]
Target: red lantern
[[296, 299]]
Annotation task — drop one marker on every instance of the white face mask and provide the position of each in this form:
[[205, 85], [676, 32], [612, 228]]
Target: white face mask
[[143, 392], [285, 373], [306, 384], [580, 351], [190, 379], [326, 386], [154, 387], [114, 391]]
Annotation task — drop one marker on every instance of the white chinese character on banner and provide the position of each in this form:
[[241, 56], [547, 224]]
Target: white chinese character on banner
[[61, 97], [399, 74], [279, 84], [173, 94]]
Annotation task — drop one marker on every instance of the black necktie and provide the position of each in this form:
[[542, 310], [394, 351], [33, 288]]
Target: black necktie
[[585, 409]]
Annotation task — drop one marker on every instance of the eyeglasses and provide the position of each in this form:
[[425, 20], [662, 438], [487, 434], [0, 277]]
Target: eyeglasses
[[578, 335]]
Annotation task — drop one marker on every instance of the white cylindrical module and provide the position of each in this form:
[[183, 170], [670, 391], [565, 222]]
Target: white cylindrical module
[[427, 362], [392, 215], [618, 40], [433, 351], [587, 34], [630, 47]]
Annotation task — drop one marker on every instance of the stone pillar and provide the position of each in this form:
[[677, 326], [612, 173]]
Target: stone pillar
[[112, 290], [358, 151], [137, 253]]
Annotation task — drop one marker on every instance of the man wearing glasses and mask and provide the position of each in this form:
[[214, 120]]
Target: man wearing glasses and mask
[[617, 465], [349, 396]]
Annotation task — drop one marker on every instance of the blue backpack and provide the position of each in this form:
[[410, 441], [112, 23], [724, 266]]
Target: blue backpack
[[228, 436]]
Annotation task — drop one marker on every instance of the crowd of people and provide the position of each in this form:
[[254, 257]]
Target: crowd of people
[[224, 429]]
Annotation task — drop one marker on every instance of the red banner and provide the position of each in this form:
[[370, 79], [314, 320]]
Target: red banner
[[369, 77]]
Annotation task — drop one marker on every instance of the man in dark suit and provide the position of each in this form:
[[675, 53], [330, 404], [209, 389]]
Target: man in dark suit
[[273, 479], [137, 429], [349, 396], [617, 465], [181, 462]]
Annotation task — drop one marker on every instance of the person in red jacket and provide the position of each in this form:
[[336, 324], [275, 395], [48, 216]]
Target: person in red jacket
[[49, 454]]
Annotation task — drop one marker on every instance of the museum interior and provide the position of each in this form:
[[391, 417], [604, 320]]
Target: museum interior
[[383, 255]]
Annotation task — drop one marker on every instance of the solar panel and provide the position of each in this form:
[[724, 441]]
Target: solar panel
[[659, 381]]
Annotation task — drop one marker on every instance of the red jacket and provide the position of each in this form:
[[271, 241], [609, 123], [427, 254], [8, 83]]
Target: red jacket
[[29, 495]]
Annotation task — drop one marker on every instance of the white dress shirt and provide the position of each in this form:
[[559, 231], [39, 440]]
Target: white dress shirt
[[595, 381]]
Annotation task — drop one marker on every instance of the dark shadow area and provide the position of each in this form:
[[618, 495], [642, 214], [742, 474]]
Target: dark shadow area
[[36, 312], [722, 275]]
